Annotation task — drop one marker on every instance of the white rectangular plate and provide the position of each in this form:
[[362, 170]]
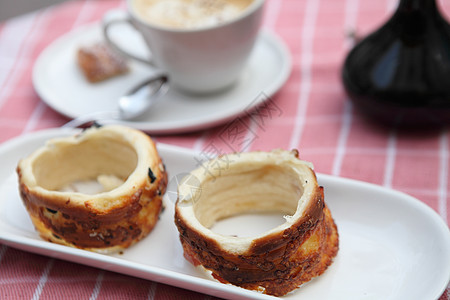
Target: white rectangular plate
[[392, 246]]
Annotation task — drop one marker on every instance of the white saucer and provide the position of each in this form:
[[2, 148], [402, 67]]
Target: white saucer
[[391, 245], [59, 82]]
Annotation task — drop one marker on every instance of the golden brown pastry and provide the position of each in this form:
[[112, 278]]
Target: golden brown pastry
[[99, 62], [277, 261], [100, 190]]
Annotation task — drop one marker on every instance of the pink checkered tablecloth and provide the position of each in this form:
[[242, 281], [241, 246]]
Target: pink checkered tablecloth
[[314, 116]]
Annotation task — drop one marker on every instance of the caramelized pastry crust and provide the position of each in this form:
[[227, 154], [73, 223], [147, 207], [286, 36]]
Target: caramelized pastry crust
[[124, 167], [275, 262]]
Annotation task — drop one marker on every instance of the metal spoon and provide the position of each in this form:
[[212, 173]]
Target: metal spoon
[[139, 99], [131, 105]]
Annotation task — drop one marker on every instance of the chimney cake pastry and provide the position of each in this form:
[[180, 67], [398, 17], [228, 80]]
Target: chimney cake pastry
[[277, 261], [129, 181]]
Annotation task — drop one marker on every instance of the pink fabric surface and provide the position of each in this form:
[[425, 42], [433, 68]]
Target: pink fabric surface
[[312, 114]]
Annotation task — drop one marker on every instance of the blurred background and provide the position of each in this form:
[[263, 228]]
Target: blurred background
[[11, 8]]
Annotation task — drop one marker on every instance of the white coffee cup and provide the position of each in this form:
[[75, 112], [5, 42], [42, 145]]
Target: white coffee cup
[[202, 59]]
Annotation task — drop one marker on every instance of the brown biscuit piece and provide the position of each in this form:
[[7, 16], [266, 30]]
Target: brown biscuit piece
[[99, 62]]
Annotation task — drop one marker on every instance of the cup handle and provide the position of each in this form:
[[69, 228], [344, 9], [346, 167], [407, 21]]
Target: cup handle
[[115, 17]]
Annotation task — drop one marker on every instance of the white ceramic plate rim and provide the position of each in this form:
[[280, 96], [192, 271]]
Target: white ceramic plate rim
[[213, 118], [11, 151]]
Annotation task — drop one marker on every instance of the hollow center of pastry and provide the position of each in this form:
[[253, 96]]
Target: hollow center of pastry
[[248, 224], [94, 165], [267, 190]]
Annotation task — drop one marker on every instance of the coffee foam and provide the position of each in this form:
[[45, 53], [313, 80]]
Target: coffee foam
[[189, 14]]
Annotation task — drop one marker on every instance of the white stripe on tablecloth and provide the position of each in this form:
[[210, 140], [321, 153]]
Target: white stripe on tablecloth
[[250, 136], [311, 11], [351, 15], [98, 285], [391, 5], [152, 291], [351, 10], [443, 175], [272, 12], [34, 118], [343, 137], [12, 39], [84, 14], [391, 152], [43, 279], [198, 144]]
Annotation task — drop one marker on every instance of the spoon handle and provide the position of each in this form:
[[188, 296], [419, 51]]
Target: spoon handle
[[92, 118], [131, 105], [139, 99]]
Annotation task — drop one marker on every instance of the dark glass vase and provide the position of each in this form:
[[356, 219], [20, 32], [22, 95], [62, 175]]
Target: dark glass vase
[[400, 74]]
